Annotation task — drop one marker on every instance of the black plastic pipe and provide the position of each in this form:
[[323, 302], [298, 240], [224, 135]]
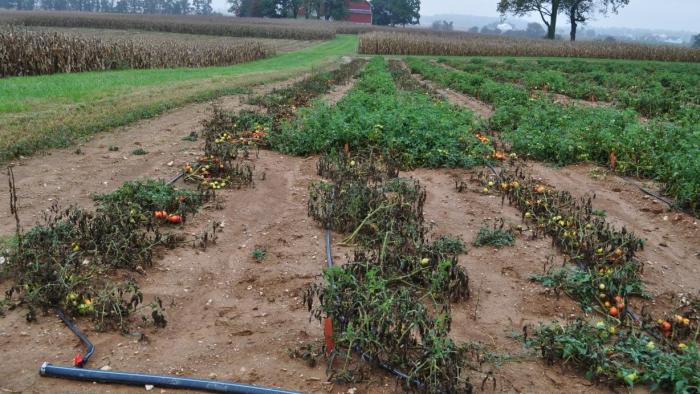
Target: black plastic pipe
[[141, 379], [88, 345]]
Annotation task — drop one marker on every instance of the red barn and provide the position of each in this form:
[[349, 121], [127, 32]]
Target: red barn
[[359, 12]]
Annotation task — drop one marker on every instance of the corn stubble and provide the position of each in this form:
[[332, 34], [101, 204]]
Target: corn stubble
[[37, 53], [465, 44]]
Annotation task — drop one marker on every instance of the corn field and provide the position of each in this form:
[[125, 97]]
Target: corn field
[[465, 44], [206, 25], [36, 53]]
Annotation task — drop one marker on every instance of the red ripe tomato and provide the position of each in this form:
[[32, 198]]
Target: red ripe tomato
[[613, 311], [665, 326]]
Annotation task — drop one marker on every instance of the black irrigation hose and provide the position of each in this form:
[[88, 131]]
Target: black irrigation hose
[[140, 379], [79, 362], [181, 174]]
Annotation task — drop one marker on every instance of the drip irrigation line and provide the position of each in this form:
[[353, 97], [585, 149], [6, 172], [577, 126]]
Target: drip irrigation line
[[77, 372], [80, 360]]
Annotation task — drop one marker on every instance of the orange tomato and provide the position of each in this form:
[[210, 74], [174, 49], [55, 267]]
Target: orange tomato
[[613, 311], [665, 326], [175, 219]]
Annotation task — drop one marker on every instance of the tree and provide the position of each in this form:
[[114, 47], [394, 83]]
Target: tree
[[26, 5], [442, 25], [201, 7], [582, 10], [395, 12], [491, 28], [474, 29], [535, 30], [334, 9], [312, 8], [695, 41], [548, 10]]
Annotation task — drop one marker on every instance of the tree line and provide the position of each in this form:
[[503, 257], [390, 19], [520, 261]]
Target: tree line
[[160, 7], [577, 11], [384, 12]]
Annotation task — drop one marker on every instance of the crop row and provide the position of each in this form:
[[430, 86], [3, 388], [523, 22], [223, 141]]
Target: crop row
[[602, 273], [547, 131], [68, 261], [398, 43], [416, 127], [207, 25], [652, 89], [36, 53], [390, 303]]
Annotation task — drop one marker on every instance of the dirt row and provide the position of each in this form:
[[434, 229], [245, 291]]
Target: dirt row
[[232, 318]]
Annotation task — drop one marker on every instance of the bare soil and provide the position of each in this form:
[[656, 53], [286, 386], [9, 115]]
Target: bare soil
[[233, 318]]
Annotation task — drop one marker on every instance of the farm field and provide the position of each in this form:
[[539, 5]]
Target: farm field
[[495, 223]]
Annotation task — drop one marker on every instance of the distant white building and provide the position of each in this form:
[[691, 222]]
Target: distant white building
[[504, 27]]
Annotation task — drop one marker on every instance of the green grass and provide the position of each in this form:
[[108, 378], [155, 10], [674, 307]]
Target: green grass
[[57, 110]]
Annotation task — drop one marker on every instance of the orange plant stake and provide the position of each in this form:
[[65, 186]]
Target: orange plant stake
[[613, 160], [328, 335]]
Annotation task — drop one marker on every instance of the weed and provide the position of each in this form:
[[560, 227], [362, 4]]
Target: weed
[[139, 152], [259, 254], [495, 236], [192, 137], [113, 148]]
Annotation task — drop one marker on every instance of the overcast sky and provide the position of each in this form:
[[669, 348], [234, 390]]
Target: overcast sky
[[652, 14]]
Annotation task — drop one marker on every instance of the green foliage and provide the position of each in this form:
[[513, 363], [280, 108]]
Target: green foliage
[[447, 245], [139, 152], [494, 236], [395, 12], [543, 130], [191, 137], [415, 128], [628, 356], [259, 254], [147, 196], [583, 285]]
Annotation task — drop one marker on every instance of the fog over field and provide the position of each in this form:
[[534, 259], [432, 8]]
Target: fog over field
[[639, 14]]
